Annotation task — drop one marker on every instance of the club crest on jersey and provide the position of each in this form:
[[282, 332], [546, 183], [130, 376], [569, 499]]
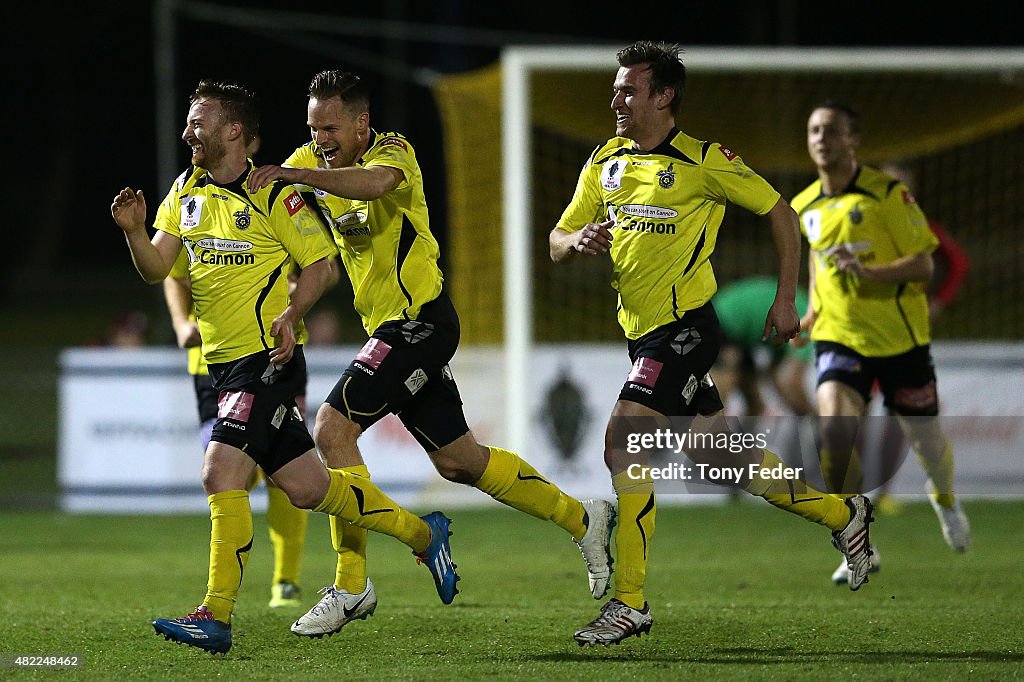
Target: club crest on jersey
[[667, 177], [243, 219], [611, 174], [191, 211]]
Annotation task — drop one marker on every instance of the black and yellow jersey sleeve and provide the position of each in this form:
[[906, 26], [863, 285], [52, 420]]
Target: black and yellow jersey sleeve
[[386, 244], [877, 219], [240, 248], [667, 205]]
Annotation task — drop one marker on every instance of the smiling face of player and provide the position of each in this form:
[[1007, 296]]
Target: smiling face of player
[[339, 131], [831, 143], [640, 115], [206, 133]]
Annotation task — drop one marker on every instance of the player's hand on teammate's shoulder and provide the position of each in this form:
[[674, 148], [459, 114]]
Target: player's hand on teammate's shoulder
[[129, 210], [594, 238], [262, 176]]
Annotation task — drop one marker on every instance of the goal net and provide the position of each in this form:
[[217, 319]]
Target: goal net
[[517, 135]]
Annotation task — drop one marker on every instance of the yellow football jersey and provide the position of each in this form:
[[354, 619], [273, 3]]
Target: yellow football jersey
[[389, 253], [240, 248], [667, 205], [876, 218]]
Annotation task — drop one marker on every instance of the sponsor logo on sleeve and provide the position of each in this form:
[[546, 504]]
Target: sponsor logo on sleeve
[[236, 405], [727, 153], [908, 198], [373, 353], [294, 203]]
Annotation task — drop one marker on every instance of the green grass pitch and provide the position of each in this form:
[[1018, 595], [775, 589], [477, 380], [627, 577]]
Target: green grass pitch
[[739, 591]]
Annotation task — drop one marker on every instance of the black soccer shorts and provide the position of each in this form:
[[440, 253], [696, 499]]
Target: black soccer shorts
[[403, 369], [907, 380], [671, 366], [256, 410]]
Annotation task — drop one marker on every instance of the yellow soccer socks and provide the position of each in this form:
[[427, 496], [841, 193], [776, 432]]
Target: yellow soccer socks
[[633, 536], [512, 481], [356, 499], [287, 535], [796, 497], [941, 474], [349, 542], [230, 542]]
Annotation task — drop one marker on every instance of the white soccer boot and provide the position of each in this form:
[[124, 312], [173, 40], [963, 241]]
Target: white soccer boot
[[854, 541], [956, 529], [616, 622], [841, 576], [335, 610], [594, 545]]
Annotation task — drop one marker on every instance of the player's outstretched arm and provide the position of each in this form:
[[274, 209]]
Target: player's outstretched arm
[[364, 184], [153, 259]]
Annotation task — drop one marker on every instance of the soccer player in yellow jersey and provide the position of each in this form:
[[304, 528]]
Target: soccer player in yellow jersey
[[287, 524], [871, 258], [240, 247], [369, 182], [652, 199]]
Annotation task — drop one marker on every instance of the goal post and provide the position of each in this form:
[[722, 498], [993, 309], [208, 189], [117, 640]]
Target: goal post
[[940, 107]]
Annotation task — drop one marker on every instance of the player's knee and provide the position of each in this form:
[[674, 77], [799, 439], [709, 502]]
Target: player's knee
[[303, 497], [460, 462], [333, 432], [838, 433]]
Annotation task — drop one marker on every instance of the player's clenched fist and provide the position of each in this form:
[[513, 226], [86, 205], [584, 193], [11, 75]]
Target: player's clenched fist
[[594, 238]]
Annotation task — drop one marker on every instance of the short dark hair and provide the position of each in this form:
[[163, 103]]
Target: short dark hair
[[349, 87], [852, 117], [238, 103], [666, 66]]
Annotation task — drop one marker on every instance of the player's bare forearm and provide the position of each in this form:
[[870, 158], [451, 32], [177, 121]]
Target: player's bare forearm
[[916, 268], [786, 235], [314, 280], [364, 184]]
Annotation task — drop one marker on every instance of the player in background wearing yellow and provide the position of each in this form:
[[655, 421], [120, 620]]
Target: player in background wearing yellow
[[286, 523], [370, 184], [868, 315], [240, 246], [951, 267], [652, 199]]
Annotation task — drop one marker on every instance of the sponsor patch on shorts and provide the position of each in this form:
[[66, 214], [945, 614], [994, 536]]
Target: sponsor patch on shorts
[[235, 405], [416, 381], [831, 360], [373, 353], [645, 372], [916, 398]]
